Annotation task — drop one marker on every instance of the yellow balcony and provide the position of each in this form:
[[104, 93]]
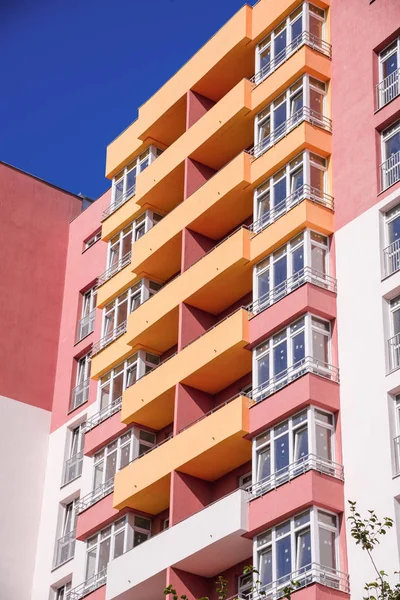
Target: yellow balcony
[[208, 450], [210, 363]]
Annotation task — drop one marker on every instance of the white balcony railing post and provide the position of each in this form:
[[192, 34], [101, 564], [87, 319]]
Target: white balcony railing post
[[88, 586], [391, 258], [80, 394], [396, 448], [390, 171], [394, 352], [86, 325], [73, 468], [65, 548], [387, 89]]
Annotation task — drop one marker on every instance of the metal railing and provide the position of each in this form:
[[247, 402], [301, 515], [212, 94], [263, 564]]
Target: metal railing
[[305, 38], [73, 468], [307, 575], [300, 466], [85, 325], [305, 275], [97, 494], [391, 258], [110, 337], [103, 414], [88, 586], [396, 447], [150, 449], [394, 352], [111, 271], [80, 394], [387, 89], [303, 114], [65, 549], [390, 171], [309, 364], [121, 201], [304, 192]]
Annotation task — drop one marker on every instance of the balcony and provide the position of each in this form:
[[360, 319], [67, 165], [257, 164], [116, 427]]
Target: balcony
[[103, 414], [390, 171], [299, 467], [394, 352], [210, 363], [305, 38], [206, 543], [116, 268], [307, 575], [86, 325], [396, 447], [73, 468], [309, 364], [208, 449], [387, 89], [107, 339], [88, 586], [304, 114], [97, 494], [80, 394], [127, 195], [65, 549]]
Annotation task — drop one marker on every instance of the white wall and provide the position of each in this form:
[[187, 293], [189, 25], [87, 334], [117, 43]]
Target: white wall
[[24, 434], [366, 407]]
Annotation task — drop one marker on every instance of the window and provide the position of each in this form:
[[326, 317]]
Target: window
[[124, 184], [394, 341], [390, 168], [92, 240], [303, 441], [112, 542], [301, 347], [165, 524], [304, 549], [304, 177], [245, 480], [397, 436], [388, 87], [73, 464], [245, 586], [86, 323], [113, 383], [391, 253], [304, 25], [61, 593], [305, 99], [120, 453], [80, 393], [304, 258], [65, 544]]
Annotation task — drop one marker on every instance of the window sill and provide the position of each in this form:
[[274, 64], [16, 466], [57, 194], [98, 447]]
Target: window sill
[[72, 410]]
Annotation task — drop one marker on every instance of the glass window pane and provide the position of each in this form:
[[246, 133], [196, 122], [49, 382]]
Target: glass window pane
[[119, 540], [266, 567], [300, 443], [303, 549], [316, 27], [318, 259], [139, 538], [316, 101], [280, 193], [298, 348], [91, 563], [296, 30], [283, 558], [124, 460], [280, 45], [394, 230], [263, 285], [280, 358], [264, 464], [104, 554], [280, 271], [142, 523], [263, 370], [98, 474], [323, 442], [320, 346], [147, 436], [298, 260], [281, 447], [111, 465], [117, 389], [327, 551]]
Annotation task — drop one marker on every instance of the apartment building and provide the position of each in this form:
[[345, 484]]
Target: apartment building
[[226, 352]]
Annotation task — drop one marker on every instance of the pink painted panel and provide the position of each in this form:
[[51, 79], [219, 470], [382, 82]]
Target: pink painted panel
[[193, 586], [194, 246], [231, 575], [192, 323], [229, 482], [99, 594], [102, 434], [190, 404], [188, 495], [196, 174], [34, 229], [307, 298], [196, 106], [96, 517], [309, 489]]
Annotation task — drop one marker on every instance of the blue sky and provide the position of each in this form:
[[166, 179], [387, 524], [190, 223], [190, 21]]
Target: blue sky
[[75, 72]]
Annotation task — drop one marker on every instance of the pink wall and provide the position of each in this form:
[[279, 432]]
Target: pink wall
[[194, 246], [190, 404], [356, 152], [82, 269], [192, 323], [34, 228], [196, 106], [231, 575], [101, 435], [195, 175], [96, 517], [188, 496], [193, 586]]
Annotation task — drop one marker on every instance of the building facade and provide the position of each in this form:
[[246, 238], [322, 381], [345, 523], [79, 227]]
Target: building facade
[[220, 388]]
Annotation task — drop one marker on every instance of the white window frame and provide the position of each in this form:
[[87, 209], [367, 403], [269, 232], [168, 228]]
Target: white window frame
[[61, 592], [93, 239], [88, 301], [313, 524], [138, 165], [392, 90], [245, 585], [310, 418]]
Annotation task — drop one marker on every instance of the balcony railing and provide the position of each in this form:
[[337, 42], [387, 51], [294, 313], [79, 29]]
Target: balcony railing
[[111, 271], [390, 171], [80, 394], [85, 325], [88, 586], [396, 447], [307, 575], [96, 495], [301, 115], [309, 364], [103, 414], [304, 192], [65, 549], [110, 337], [305, 275], [73, 468], [300, 466], [394, 352], [391, 258], [116, 204], [387, 89], [305, 38]]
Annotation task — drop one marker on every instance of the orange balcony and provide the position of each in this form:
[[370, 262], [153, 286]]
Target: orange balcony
[[210, 363], [208, 449]]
